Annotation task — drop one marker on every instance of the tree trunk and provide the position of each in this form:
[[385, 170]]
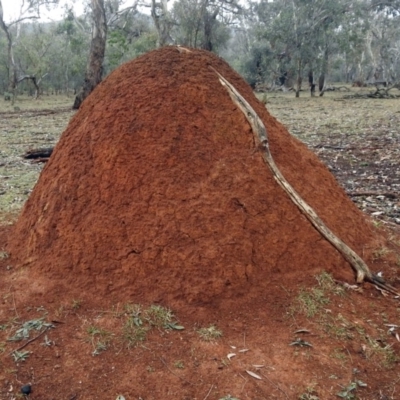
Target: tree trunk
[[162, 22], [94, 69], [311, 83], [299, 77], [324, 70], [35, 83], [321, 84], [209, 22], [12, 71]]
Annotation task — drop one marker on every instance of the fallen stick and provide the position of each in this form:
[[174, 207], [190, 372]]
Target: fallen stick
[[38, 153], [391, 195], [361, 269]]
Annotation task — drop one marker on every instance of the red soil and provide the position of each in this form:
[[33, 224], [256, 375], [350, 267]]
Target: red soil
[[157, 188], [157, 193]]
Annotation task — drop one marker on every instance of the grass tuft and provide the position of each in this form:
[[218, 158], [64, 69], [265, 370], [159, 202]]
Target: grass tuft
[[209, 334]]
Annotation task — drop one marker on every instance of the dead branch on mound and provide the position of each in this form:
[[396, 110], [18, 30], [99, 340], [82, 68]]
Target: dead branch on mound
[[359, 266]]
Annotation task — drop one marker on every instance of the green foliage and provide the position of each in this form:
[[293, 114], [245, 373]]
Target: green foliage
[[348, 392], [327, 283], [202, 24], [145, 42], [158, 316], [268, 41], [141, 320], [67, 26], [133, 330], [209, 334], [257, 68], [328, 38], [99, 338], [28, 326], [309, 394], [20, 355], [311, 301]]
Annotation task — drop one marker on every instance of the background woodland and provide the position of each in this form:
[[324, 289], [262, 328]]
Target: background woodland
[[280, 44]]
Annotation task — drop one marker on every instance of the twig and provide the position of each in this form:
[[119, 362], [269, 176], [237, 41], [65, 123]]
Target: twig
[[173, 373], [245, 382], [276, 386], [391, 195], [326, 146], [105, 311], [30, 341], [351, 358], [208, 392], [15, 307]]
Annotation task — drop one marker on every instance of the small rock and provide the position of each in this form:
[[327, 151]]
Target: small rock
[[26, 389]]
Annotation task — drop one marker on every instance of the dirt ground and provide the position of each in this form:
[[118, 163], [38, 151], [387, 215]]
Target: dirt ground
[[320, 340]]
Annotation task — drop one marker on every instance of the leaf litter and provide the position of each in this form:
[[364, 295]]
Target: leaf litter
[[358, 139]]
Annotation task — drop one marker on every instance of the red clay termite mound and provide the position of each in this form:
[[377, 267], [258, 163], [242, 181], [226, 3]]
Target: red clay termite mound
[[157, 188]]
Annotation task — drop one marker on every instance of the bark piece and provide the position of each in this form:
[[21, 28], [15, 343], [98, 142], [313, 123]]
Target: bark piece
[[44, 153]]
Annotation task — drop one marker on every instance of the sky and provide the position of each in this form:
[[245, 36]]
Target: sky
[[11, 9]]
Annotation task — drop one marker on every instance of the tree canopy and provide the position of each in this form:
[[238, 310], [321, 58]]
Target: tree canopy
[[286, 43]]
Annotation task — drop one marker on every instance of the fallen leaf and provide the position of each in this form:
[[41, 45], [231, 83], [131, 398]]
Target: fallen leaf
[[301, 342], [171, 325], [302, 331], [254, 375]]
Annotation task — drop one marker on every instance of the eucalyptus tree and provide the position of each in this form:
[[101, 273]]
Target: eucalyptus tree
[[118, 24], [4, 79], [94, 70], [33, 55], [162, 21], [29, 10], [368, 42], [301, 35], [384, 45], [205, 24], [72, 39], [393, 5], [129, 36]]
